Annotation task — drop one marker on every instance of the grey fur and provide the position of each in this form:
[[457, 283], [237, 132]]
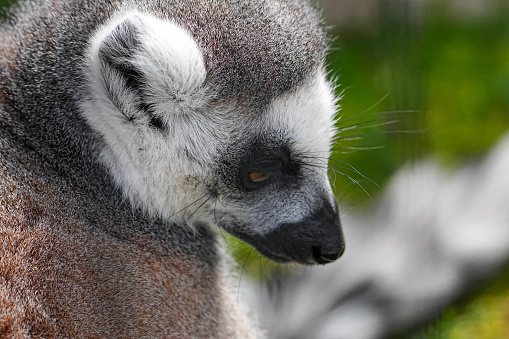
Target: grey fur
[[77, 259]]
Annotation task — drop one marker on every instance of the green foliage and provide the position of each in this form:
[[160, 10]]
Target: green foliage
[[454, 76], [5, 4], [445, 80], [468, 81]]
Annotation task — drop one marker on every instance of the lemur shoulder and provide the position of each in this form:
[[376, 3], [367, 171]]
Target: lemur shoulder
[[129, 132]]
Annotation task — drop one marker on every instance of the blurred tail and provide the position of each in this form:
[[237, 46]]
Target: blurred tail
[[432, 237]]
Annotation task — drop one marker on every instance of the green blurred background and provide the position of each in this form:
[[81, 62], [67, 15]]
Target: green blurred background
[[442, 71], [418, 79]]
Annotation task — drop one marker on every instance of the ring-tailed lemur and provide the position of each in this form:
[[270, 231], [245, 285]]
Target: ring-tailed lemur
[[128, 131]]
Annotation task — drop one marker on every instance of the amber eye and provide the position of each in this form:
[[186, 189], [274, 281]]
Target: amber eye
[[261, 173], [257, 177]]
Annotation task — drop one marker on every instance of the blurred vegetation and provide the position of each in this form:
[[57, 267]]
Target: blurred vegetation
[[445, 80], [416, 85], [447, 77], [5, 4]]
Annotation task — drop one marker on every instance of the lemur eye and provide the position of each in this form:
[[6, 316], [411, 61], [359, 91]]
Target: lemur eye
[[261, 173], [257, 177]]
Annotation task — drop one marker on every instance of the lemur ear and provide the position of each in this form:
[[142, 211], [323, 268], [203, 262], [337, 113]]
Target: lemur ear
[[150, 69], [117, 49]]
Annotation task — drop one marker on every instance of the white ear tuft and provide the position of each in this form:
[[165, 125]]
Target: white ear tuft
[[171, 62], [147, 67], [145, 78]]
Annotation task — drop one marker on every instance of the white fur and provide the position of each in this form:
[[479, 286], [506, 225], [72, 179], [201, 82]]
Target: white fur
[[149, 166], [142, 161], [308, 115]]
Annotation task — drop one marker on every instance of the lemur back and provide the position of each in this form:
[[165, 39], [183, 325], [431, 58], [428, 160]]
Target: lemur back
[[131, 130]]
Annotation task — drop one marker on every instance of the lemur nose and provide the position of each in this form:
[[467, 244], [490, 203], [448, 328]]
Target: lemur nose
[[322, 256], [316, 239]]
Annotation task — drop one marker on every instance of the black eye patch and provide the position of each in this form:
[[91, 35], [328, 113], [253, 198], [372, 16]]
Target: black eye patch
[[254, 164], [267, 162]]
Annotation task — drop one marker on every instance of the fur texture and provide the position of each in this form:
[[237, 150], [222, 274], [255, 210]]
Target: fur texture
[[131, 130]]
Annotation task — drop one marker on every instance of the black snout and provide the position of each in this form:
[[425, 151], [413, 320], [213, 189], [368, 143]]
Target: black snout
[[317, 239]]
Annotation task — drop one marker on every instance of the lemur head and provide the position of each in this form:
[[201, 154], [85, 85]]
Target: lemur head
[[188, 138]]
